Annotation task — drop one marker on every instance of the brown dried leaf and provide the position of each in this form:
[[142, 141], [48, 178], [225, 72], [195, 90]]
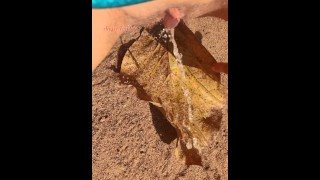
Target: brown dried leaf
[[158, 78]]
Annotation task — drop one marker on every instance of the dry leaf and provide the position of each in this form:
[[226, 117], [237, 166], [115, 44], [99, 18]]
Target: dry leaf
[[191, 100]]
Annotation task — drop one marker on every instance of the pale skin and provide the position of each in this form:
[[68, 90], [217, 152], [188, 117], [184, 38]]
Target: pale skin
[[168, 11]]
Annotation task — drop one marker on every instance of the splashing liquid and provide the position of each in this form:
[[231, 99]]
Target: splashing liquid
[[186, 92]]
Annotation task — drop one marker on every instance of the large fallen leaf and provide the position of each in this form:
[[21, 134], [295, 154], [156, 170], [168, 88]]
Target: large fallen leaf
[[188, 94]]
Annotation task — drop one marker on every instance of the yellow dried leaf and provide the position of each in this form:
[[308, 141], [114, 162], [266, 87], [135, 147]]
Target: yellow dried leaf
[[188, 94]]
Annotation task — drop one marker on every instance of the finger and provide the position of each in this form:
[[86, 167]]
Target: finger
[[220, 67]]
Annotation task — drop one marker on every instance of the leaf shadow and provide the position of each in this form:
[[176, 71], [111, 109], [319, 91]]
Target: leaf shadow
[[194, 54], [221, 13], [122, 51], [164, 129], [199, 36]]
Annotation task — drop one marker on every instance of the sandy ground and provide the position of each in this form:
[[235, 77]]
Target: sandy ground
[[131, 139]]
